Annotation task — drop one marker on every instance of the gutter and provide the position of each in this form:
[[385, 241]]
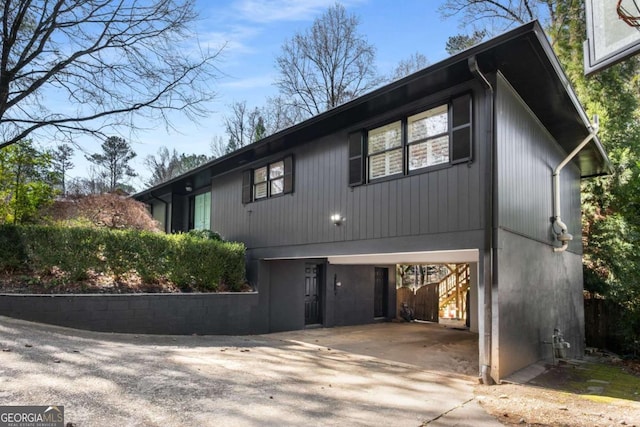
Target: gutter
[[559, 227], [489, 260]]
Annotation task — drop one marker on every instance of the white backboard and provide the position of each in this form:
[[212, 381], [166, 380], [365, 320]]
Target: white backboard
[[609, 38]]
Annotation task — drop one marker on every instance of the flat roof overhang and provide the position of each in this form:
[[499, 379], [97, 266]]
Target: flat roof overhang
[[461, 256]]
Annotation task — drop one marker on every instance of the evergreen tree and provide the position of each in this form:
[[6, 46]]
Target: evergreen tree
[[260, 130], [460, 42], [114, 161], [61, 160]]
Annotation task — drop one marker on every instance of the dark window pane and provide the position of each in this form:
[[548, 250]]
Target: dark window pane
[[461, 110], [246, 187], [461, 144], [355, 145], [355, 158], [355, 171], [288, 175]]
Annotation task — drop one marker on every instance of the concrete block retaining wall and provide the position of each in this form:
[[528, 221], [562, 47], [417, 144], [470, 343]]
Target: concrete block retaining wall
[[176, 314]]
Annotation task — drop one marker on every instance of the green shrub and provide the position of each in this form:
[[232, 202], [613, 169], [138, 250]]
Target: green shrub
[[12, 250], [205, 234], [188, 259]]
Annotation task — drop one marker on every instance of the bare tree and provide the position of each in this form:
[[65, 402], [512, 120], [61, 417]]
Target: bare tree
[[104, 60], [95, 183], [279, 114], [497, 15], [168, 164], [218, 147], [163, 167], [114, 161], [242, 124], [327, 65], [415, 62]]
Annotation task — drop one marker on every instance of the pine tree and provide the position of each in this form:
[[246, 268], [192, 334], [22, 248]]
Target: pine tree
[[61, 160], [114, 161]]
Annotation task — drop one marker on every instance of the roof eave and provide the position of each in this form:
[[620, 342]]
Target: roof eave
[[594, 162]]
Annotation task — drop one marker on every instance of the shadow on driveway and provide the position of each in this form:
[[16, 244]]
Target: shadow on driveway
[[141, 380], [430, 346]]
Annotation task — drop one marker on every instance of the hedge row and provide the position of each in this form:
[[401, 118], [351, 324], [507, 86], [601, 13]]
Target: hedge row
[[187, 260]]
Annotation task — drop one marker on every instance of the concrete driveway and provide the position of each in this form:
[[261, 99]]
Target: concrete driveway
[[428, 345], [141, 380]]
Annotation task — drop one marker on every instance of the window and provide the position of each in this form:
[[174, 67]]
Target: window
[[201, 211], [260, 183], [276, 178], [437, 136], [384, 150], [428, 138], [270, 180]]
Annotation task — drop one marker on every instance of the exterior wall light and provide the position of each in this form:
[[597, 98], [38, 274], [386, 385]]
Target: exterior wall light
[[188, 187], [337, 219]]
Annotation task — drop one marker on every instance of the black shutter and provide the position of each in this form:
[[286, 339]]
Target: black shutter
[[461, 129], [246, 187], [356, 158], [288, 175]]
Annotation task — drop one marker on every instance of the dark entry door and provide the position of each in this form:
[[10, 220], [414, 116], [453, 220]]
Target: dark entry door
[[312, 295], [381, 292]]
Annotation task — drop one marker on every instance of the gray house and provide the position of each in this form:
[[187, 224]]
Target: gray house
[[452, 164]]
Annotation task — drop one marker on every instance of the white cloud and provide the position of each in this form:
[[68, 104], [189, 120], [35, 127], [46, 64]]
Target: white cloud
[[267, 11], [234, 40], [252, 82]]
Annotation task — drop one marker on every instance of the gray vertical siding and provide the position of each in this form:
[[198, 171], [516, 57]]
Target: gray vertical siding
[[526, 157], [432, 203], [539, 290]]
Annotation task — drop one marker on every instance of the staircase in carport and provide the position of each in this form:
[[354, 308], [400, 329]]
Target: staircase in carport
[[444, 299], [453, 291]]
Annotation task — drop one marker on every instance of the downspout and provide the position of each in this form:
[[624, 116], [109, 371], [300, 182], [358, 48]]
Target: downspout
[[489, 258], [559, 227]]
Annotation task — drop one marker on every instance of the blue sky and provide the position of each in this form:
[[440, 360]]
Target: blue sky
[[254, 31]]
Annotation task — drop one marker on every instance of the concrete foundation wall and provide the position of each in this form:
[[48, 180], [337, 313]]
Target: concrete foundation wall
[[183, 314], [538, 290]]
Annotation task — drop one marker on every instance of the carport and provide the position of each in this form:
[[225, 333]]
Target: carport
[[347, 287]]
